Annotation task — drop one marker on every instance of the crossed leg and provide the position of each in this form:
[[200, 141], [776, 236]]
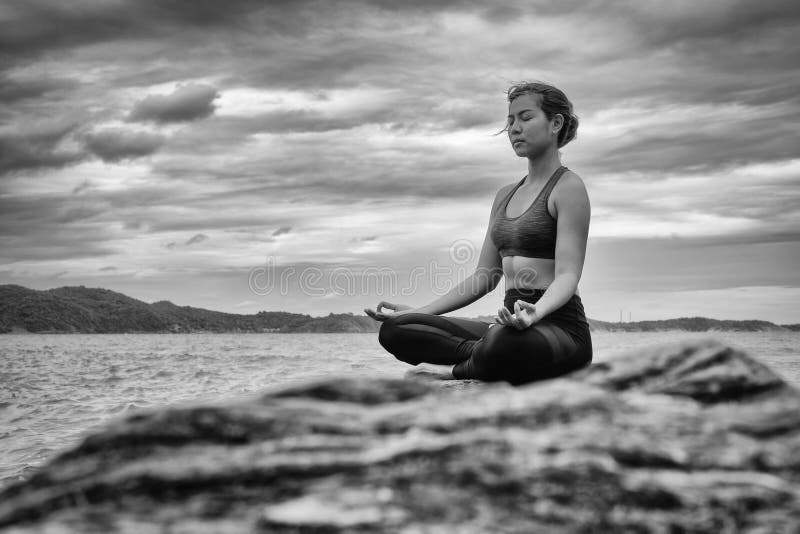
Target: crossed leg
[[543, 350]]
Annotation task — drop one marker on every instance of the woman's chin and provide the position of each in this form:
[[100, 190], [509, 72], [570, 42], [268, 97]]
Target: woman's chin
[[521, 150]]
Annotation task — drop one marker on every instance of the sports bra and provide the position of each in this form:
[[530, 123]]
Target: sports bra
[[533, 233]]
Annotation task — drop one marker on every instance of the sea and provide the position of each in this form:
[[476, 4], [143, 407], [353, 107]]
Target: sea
[[57, 388]]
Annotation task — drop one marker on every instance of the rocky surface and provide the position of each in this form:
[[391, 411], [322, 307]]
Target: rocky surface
[[690, 437]]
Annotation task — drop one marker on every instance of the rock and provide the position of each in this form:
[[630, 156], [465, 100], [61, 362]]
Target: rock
[[689, 437]]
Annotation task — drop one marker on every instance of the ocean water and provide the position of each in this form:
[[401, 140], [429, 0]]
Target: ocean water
[[54, 389]]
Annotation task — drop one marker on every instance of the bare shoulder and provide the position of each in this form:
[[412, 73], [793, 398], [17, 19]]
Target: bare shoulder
[[505, 189], [501, 193], [569, 186], [569, 189]]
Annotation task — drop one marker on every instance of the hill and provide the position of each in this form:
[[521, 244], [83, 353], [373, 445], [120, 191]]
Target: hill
[[94, 310], [689, 324]]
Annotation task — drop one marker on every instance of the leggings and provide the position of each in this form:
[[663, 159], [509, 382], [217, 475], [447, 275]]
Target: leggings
[[558, 344]]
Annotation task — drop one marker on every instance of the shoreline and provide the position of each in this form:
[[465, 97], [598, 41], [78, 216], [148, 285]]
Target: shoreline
[[22, 332]]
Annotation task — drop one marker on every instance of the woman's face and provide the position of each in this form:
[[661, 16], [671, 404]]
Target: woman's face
[[529, 130]]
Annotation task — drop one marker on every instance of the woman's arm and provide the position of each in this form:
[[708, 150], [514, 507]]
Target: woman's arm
[[573, 212]]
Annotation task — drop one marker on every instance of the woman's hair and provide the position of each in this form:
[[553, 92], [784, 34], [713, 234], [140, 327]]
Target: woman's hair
[[553, 101]]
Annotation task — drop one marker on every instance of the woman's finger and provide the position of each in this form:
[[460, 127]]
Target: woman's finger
[[502, 314], [376, 316], [517, 314], [527, 305], [510, 319], [384, 304]]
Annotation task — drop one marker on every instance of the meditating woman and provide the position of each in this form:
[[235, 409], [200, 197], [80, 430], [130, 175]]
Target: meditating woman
[[536, 239]]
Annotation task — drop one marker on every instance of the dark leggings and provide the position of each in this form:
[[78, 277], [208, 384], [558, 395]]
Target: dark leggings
[[556, 345]]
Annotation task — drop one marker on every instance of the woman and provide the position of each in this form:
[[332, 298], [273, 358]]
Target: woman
[[537, 239]]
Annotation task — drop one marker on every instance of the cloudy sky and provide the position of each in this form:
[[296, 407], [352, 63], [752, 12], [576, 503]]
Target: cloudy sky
[[317, 157]]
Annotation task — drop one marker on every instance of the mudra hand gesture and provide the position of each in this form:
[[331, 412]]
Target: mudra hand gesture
[[524, 315], [378, 315]]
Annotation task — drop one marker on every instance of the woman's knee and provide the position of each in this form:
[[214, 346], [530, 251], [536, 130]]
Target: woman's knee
[[388, 332], [391, 337]]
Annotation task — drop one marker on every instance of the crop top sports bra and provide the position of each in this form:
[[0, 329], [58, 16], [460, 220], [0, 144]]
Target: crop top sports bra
[[533, 233]]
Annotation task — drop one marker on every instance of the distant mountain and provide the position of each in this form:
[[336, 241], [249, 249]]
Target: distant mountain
[[94, 310], [689, 324]]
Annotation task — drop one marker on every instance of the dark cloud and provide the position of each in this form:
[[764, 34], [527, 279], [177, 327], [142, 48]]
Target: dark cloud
[[197, 238], [202, 220], [695, 143], [114, 145], [82, 187], [730, 21], [13, 89], [186, 103], [347, 170], [109, 268], [282, 230], [30, 27], [81, 213], [721, 19], [400, 113], [339, 60], [37, 146], [39, 26], [51, 244], [667, 153], [302, 120]]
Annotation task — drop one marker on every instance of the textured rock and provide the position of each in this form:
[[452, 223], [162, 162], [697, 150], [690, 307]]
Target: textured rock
[[692, 437]]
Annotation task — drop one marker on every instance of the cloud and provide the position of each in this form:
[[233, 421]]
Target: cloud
[[282, 230], [13, 89], [36, 26], [82, 187], [197, 238], [186, 103], [38, 146], [80, 213], [115, 144]]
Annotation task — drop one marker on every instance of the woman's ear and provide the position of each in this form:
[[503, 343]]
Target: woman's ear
[[558, 122]]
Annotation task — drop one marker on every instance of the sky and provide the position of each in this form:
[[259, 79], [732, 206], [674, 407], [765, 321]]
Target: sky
[[320, 156]]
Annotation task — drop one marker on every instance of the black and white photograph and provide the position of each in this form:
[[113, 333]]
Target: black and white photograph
[[438, 266]]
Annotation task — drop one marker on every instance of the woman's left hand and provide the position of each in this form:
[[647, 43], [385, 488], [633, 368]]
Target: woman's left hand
[[524, 315]]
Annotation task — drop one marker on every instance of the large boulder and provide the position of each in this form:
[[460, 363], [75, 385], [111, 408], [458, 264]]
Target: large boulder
[[690, 437]]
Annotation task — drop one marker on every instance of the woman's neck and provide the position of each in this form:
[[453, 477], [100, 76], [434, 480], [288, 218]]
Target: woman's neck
[[544, 165]]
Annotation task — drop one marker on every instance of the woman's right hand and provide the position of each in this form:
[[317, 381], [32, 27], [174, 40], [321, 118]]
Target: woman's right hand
[[379, 315]]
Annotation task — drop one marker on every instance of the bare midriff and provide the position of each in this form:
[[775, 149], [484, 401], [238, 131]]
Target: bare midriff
[[529, 273]]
